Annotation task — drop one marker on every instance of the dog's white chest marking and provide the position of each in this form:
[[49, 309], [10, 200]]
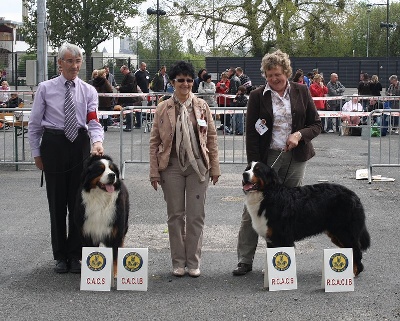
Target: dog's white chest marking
[[259, 222], [100, 210]]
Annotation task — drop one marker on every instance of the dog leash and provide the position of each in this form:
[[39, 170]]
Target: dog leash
[[282, 151], [277, 158], [68, 170]]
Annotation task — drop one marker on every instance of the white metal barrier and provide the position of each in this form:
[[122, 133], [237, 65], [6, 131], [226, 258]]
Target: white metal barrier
[[383, 139], [13, 139], [133, 146]]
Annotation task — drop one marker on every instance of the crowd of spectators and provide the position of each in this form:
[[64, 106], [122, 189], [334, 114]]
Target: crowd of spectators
[[220, 92]]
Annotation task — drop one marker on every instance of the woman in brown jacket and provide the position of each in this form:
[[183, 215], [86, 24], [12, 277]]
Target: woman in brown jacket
[[183, 158], [102, 85]]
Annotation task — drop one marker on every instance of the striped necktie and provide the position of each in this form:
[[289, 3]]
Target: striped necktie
[[71, 124]]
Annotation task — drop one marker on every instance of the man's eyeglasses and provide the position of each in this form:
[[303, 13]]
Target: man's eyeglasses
[[72, 61], [188, 80]]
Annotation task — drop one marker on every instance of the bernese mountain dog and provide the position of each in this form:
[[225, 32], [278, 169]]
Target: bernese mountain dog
[[102, 207], [283, 215]]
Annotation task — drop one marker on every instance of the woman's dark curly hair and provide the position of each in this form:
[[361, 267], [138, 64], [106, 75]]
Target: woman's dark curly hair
[[181, 68]]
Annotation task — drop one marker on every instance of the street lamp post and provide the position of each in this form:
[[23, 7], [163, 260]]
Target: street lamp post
[[159, 13], [368, 14], [213, 25], [137, 47], [41, 41], [113, 49], [387, 37], [387, 33], [386, 25]]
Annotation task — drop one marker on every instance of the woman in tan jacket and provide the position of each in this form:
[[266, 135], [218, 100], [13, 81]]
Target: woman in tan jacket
[[183, 158]]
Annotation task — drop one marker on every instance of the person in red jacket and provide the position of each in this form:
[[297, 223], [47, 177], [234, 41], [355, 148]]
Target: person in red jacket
[[318, 89], [222, 87]]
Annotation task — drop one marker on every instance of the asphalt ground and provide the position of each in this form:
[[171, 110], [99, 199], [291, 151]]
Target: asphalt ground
[[30, 290]]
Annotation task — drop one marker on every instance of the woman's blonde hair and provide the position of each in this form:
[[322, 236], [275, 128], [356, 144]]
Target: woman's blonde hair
[[374, 78], [101, 72], [276, 59], [316, 77], [95, 73]]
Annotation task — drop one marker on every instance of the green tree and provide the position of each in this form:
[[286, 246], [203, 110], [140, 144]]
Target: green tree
[[321, 37], [86, 23], [377, 36], [191, 49], [171, 45], [21, 69], [258, 25], [350, 36]]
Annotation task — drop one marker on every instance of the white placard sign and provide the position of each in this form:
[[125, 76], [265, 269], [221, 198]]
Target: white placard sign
[[132, 269], [97, 265], [337, 272], [280, 269]]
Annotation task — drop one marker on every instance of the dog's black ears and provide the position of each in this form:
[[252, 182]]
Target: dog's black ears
[[248, 167], [271, 176], [267, 174], [274, 177], [89, 163], [93, 158]]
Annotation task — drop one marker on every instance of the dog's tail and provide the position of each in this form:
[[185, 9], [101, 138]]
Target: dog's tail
[[365, 239]]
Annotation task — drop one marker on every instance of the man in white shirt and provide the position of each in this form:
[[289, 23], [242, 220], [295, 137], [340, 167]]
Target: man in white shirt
[[351, 106]]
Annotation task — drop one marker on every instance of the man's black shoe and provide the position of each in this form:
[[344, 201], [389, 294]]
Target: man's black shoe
[[61, 266], [242, 269], [127, 130], [74, 266]]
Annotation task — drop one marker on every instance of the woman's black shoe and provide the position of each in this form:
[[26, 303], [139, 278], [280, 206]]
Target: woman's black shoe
[[242, 269]]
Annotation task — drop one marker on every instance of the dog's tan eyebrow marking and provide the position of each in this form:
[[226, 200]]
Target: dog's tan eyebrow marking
[[269, 232], [114, 231], [95, 181]]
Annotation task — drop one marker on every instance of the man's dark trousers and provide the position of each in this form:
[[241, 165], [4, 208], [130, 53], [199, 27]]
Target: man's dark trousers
[[63, 163]]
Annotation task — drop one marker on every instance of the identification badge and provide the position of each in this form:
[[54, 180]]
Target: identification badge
[[202, 122], [261, 127]]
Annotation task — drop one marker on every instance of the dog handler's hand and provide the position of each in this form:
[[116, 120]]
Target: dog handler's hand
[[293, 141], [97, 149], [214, 179], [154, 184], [38, 162]]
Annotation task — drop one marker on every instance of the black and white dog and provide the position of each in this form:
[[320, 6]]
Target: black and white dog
[[283, 215], [102, 207]]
